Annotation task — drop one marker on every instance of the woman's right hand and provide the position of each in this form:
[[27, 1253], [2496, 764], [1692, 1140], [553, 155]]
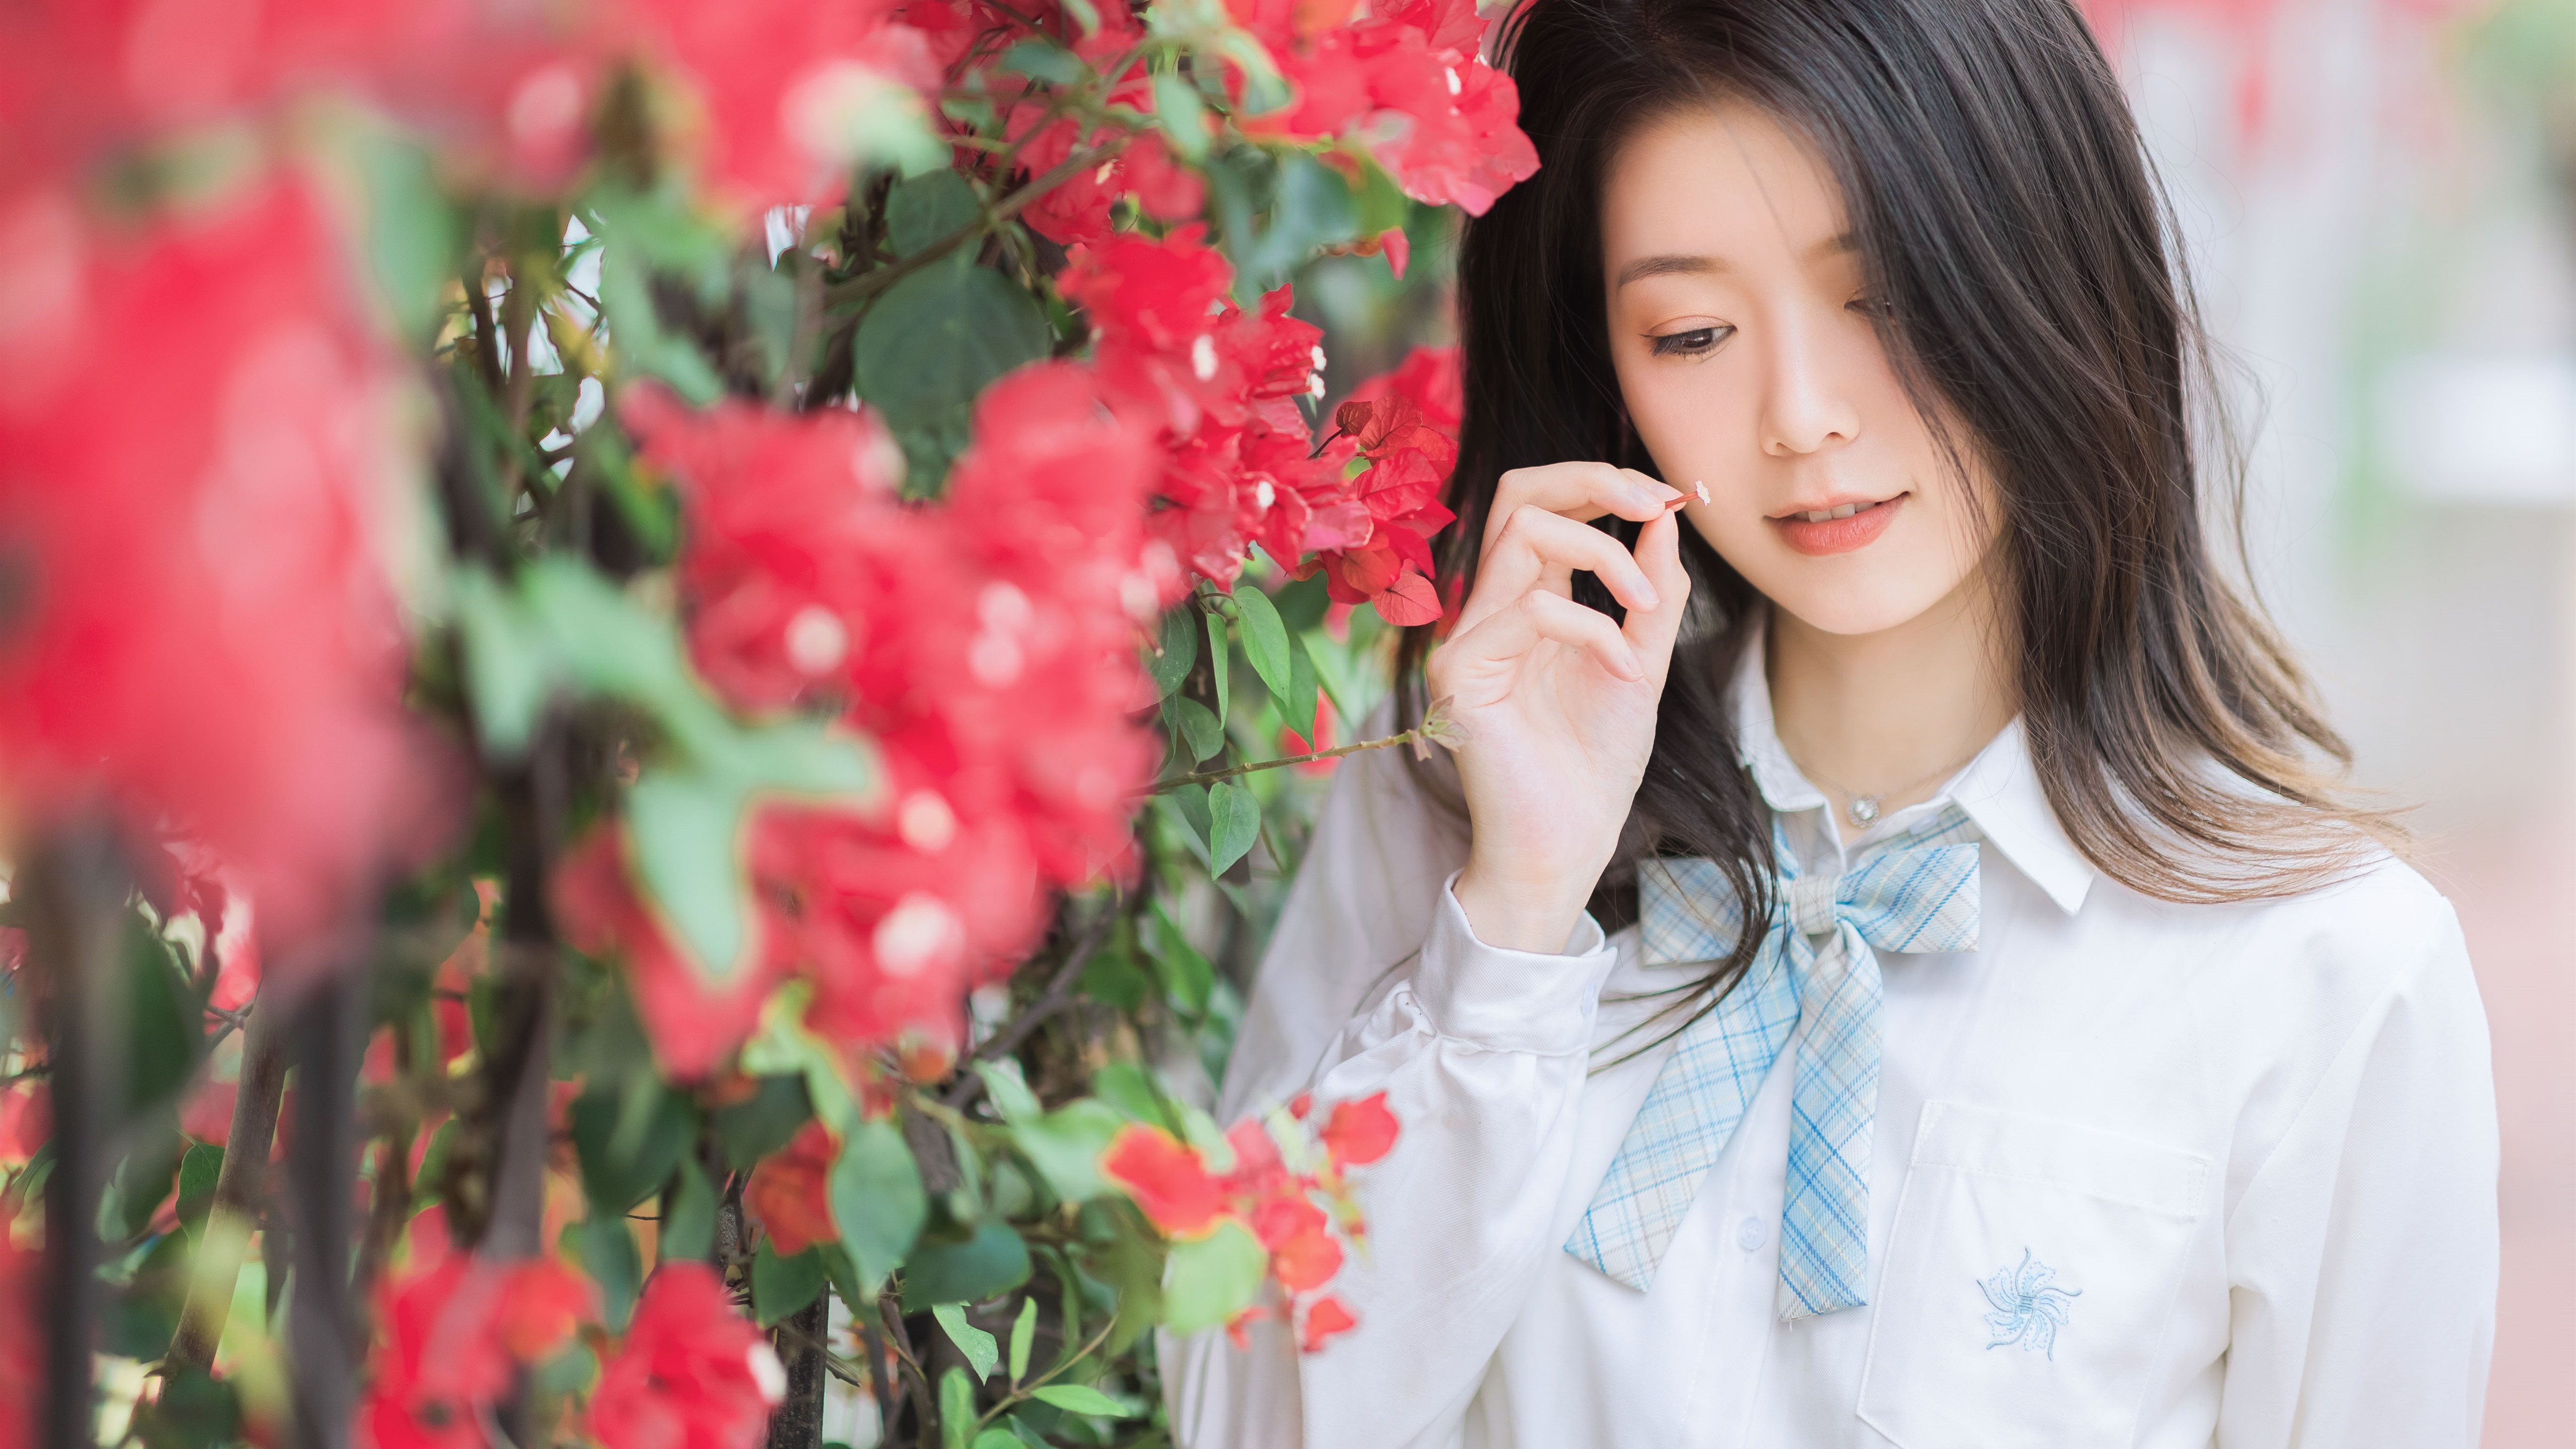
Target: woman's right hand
[[1557, 702]]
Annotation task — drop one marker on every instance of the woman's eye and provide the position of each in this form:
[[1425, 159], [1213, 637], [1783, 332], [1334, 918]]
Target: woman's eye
[[1869, 307], [1689, 344]]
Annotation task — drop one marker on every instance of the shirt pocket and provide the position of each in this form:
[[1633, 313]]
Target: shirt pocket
[[2030, 1274]]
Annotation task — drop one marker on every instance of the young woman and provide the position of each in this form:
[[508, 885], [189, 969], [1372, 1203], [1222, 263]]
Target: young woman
[[1988, 1027]]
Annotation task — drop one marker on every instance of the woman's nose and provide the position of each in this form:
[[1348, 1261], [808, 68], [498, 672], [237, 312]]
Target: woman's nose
[[1807, 406]]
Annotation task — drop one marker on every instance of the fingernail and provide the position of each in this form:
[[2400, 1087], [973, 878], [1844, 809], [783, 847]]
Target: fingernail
[[1647, 598]]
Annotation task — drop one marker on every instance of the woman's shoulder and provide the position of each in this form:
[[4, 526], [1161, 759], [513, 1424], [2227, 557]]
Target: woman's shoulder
[[2376, 927]]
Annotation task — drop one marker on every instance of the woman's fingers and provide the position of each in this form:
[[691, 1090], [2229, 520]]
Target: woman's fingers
[[1651, 632], [1505, 635], [1579, 491], [1539, 550]]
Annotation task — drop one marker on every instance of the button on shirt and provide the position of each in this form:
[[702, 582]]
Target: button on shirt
[[2143, 1173]]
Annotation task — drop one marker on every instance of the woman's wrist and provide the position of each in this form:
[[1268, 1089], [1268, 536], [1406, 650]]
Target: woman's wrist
[[1534, 912]]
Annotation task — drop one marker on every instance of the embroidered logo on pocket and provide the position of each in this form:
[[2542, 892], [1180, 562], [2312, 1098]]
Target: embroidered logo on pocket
[[2029, 1307]]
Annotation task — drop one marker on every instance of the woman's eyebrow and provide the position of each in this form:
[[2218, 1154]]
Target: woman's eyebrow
[[1682, 263], [1669, 265]]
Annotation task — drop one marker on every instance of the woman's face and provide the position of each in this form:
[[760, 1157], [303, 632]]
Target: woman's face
[[1741, 332]]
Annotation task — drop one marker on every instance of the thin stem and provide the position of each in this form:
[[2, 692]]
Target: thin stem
[[240, 1190], [1411, 736], [1021, 1393], [1058, 995], [866, 285]]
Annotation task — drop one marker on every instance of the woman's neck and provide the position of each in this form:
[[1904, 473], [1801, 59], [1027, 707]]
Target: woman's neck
[[1891, 715]]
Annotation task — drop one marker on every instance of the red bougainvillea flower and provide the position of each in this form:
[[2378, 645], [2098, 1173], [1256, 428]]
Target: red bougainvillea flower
[[1303, 1255], [1429, 377], [985, 644], [1325, 1317], [692, 1374], [451, 1335], [1409, 464], [693, 1020], [1359, 1132], [1262, 1192], [26, 1120], [791, 93], [202, 629], [1406, 82], [790, 1192], [1167, 1179]]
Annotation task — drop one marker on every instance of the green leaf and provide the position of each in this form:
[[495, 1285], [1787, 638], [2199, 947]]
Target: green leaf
[[931, 343], [997, 1439], [142, 1180], [629, 1136], [626, 298], [685, 827], [1265, 639], [609, 1259], [1113, 978], [1183, 114], [1201, 735], [1207, 1281], [1040, 61], [1298, 706], [1383, 206], [1186, 975], [1170, 666], [1081, 1399], [1024, 1336], [991, 1263], [877, 1198], [1275, 210], [510, 668], [1218, 658], [1009, 1091], [956, 1409], [781, 1286], [930, 208], [1125, 1086], [978, 1346], [1190, 802], [411, 234], [1065, 1146], [198, 1170], [689, 1223], [1234, 818], [764, 1122], [163, 1040]]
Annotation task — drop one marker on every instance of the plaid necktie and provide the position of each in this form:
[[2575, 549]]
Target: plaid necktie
[[1914, 899]]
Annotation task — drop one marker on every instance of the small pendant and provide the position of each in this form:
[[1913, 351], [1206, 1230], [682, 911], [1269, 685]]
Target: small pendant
[[1864, 809]]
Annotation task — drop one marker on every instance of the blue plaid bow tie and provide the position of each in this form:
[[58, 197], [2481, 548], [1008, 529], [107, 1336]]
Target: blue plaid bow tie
[[1920, 898]]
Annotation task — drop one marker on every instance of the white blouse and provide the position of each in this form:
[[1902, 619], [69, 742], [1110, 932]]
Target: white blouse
[[2255, 1143]]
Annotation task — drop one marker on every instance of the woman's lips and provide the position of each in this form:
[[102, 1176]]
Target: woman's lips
[[1838, 535]]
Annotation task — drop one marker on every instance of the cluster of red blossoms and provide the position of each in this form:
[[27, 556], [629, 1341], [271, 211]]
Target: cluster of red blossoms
[[1219, 389], [985, 644], [690, 1373], [1279, 1169]]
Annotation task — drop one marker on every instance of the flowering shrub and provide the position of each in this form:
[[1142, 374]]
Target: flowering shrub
[[676, 604]]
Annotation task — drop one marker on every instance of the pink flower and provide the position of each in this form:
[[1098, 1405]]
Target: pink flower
[[1166, 1178], [202, 633], [692, 1374], [789, 1194], [452, 1334]]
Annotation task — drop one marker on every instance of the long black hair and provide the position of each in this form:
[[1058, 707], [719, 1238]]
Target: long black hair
[[2008, 215]]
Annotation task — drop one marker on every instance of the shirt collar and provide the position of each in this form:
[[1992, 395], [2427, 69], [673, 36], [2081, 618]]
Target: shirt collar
[[1999, 789]]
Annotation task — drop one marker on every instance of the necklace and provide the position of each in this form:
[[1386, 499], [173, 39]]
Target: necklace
[[1865, 808]]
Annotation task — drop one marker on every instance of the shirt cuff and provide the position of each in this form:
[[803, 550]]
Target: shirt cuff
[[1520, 1001]]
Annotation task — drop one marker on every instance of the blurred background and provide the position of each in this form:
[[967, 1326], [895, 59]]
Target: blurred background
[[2378, 198]]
